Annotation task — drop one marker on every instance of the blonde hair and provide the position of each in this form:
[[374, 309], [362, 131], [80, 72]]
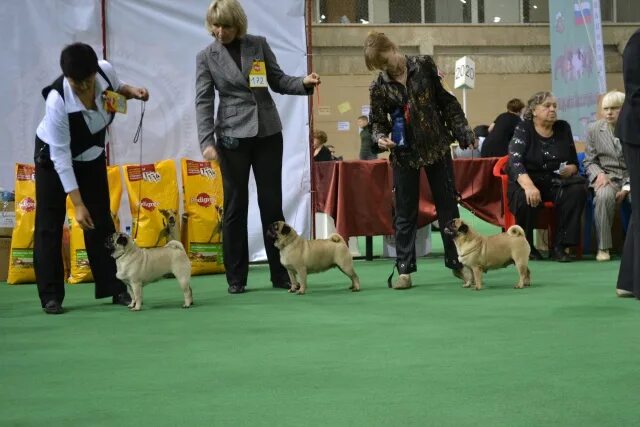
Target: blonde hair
[[226, 13], [535, 100], [613, 99], [374, 46], [320, 135]]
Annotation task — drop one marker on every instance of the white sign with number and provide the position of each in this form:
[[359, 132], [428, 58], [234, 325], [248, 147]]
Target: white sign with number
[[465, 73]]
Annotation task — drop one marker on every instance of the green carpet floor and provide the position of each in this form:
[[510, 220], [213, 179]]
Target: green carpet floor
[[562, 353]]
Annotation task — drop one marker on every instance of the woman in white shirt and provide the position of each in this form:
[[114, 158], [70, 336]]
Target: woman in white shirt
[[70, 160]]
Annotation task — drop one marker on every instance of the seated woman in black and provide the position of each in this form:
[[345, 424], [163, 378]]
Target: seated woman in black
[[543, 166], [321, 152], [496, 144]]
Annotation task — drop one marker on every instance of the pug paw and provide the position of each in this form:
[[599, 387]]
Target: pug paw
[[466, 285]]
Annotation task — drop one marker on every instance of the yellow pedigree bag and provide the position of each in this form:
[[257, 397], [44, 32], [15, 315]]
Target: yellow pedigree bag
[[202, 188], [153, 199], [21, 261], [80, 268]]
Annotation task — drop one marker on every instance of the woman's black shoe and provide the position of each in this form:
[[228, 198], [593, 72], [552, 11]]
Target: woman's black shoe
[[121, 299], [282, 285], [560, 255], [53, 307], [535, 255], [235, 289]]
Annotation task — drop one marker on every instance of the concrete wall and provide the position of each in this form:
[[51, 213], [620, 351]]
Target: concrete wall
[[511, 61]]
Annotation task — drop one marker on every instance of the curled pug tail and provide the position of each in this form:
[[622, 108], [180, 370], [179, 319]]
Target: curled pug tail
[[516, 231], [337, 238]]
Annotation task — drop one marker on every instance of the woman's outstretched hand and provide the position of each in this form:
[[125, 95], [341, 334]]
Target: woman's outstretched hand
[[312, 80]]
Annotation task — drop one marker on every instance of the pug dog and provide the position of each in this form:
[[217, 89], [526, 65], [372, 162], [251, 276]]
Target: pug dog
[[480, 253], [301, 257], [137, 266]]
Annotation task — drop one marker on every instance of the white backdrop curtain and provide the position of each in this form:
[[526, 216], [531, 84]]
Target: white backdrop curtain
[[151, 43]]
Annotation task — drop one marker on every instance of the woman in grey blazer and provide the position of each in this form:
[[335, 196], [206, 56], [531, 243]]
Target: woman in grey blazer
[[607, 171], [246, 133]]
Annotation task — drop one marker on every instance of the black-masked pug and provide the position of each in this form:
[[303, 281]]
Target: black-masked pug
[[481, 253], [301, 257], [139, 266]]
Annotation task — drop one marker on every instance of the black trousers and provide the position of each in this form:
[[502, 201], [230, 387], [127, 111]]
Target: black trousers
[[407, 187], [629, 274], [50, 213], [264, 156], [569, 203]]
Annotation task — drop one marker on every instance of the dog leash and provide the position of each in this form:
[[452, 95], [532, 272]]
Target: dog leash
[[138, 137]]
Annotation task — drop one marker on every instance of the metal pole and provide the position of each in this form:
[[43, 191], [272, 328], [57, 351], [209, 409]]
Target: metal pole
[[464, 100]]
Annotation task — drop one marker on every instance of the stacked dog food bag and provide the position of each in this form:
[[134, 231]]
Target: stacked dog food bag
[[153, 199], [21, 258], [203, 207]]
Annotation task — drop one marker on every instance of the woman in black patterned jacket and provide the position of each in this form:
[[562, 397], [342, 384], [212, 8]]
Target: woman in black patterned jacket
[[409, 102], [543, 166]]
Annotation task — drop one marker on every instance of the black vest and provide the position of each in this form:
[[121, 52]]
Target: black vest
[[81, 137]]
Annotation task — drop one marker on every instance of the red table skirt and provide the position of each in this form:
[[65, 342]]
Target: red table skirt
[[358, 194]]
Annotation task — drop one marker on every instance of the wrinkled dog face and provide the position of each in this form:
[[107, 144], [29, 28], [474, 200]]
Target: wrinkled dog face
[[281, 233], [118, 243], [456, 227]]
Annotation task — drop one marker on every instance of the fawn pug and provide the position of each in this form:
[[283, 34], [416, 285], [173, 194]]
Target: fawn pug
[[480, 253], [301, 257], [138, 266]]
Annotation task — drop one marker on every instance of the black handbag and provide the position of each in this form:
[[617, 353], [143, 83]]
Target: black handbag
[[570, 180]]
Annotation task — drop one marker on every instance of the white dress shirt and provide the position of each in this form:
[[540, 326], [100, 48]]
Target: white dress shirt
[[54, 127]]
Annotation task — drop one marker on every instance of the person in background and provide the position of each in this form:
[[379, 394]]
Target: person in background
[[247, 132], [366, 151], [606, 170], [501, 130], [425, 120], [321, 153], [70, 161], [628, 130], [543, 166], [480, 132]]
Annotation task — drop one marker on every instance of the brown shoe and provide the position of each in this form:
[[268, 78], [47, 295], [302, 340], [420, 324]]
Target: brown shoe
[[403, 282]]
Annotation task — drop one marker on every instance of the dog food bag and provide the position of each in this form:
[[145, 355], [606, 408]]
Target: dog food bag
[[202, 188], [21, 258], [80, 269], [153, 199]]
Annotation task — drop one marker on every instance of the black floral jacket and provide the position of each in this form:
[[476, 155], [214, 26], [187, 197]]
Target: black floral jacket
[[435, 115]]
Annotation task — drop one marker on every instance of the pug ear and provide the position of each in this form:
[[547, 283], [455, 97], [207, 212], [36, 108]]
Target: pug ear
[[122, 240], [463, 228], [285, 229]]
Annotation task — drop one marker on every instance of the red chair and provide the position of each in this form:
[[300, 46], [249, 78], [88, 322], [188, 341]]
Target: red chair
[[546, 218]]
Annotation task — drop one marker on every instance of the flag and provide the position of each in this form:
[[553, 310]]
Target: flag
[[582, 12]]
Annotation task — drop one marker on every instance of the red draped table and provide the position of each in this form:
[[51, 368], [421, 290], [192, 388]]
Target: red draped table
[[358, 194]]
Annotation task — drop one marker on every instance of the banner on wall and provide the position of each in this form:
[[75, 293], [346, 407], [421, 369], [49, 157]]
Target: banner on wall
[[577, 61]]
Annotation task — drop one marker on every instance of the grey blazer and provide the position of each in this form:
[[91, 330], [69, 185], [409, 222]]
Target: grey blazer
[[603, 153], [243, 112]]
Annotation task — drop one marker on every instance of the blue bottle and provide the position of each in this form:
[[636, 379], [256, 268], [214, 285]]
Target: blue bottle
[[397, 129]]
